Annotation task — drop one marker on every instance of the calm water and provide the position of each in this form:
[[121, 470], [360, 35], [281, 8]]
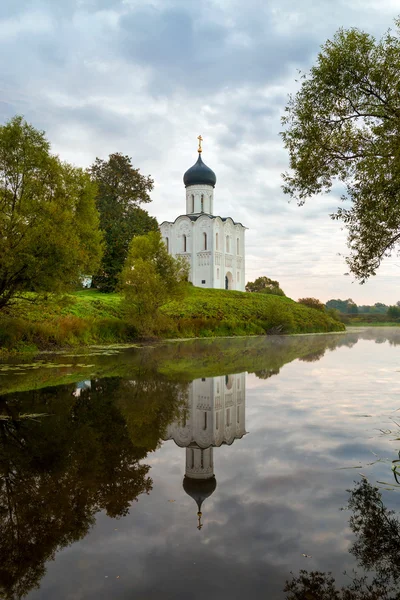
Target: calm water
[[107, 459]]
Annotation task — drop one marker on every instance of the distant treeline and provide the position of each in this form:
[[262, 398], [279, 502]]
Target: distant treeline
[[350, 308]]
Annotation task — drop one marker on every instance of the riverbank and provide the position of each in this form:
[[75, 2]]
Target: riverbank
[[90, 317]]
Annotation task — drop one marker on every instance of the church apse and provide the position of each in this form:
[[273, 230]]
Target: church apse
[[214, 415]]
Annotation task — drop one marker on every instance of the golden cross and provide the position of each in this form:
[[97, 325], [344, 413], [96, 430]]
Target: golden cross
[[200, 140]]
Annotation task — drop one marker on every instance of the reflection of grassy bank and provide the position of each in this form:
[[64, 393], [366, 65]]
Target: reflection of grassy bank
[[89, 317], [179, 361]]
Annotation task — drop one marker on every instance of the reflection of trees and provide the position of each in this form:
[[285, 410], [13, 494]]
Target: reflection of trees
[[377, 550], [57, 472]]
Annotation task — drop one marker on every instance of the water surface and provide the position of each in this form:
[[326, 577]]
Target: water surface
[[198, 469]]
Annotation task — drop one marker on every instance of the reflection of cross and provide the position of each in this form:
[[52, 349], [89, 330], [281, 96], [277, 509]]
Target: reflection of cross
[[200, 140]]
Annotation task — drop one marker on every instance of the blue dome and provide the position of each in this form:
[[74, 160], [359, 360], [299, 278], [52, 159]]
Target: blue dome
[[199, 174]]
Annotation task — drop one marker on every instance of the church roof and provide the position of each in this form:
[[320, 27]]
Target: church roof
[[195, 216], [199, 174], [199, 489]]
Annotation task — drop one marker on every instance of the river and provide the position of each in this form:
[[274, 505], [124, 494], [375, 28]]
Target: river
[[203, 469]]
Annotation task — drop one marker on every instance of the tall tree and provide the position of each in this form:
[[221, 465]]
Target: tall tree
[[121, 189], [343, 125], [49, 234], [151, 277]]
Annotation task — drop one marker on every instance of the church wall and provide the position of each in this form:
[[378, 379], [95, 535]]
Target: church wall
[[194, 204], [227, 261], [203, 253], [213, 263]]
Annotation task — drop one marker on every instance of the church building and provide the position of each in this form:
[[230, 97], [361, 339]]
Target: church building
[[213, 245]]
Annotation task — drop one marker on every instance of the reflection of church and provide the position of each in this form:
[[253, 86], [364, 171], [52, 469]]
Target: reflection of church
[[215, 415]]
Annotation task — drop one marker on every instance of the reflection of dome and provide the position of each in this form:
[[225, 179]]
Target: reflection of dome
[[199, 174], [199, 489]]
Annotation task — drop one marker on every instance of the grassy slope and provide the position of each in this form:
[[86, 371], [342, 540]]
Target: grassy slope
[[240, 313], [88, 317]]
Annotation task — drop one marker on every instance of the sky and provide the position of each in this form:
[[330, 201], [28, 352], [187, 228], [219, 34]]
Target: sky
[[146, 77]]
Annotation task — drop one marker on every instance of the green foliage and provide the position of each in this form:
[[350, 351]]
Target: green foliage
[[312, 303], [343, 125], [265, 286], [49, 235], [394, 312], [151, 277], [121, 189], [343, 306]]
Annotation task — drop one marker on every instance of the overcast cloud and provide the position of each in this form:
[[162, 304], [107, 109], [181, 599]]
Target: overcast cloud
[[145, 77]]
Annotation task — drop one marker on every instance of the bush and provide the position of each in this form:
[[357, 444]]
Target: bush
[[312, 303]]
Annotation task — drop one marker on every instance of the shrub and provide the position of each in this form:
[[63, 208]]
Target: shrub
[[312, 303]]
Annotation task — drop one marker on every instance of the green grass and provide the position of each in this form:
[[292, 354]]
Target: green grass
[[90, 317], [220, 312]]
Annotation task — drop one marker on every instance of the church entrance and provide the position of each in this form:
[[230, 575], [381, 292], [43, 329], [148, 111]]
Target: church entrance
[[228, 281]]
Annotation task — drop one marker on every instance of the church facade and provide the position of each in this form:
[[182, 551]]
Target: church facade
[[214, 246]]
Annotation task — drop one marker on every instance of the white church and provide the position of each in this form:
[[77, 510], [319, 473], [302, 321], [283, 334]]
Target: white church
[[213, 245], [215, 415]]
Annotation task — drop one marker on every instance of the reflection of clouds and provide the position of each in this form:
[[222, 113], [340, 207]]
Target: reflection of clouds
[[279, 492]]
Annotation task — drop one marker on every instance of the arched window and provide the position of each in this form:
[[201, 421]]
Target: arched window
[[237, 245], [205, 420], [167, 243], [184, 243], [227, 243], [202, 203], [205, 240], [192, 202], [216, 241]]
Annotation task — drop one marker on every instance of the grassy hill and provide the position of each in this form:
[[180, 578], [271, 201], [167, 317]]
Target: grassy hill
[[89, 317]]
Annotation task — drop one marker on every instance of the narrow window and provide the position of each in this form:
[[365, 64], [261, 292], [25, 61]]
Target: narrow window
[[216, 241], [217, 388], [217, 273], [202, 459], [205, 240], [205, 421], [167, 243], [184, 243], [237, 245], [227, 243], [228, 416], [238, 276], [237, 414], [217, 420], [192, 458], [202, 203], [192, 202]]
